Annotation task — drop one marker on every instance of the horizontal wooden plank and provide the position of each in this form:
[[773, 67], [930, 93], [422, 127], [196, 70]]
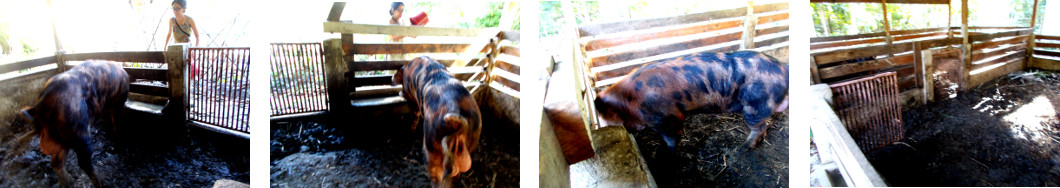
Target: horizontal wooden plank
[[869, 35], [148, 56], [917, 36], [1050, 53], [993, 44], [623, 71], [381, 91], [850, 68], [979, 78], [846, 37], [770, 7], [601, 43], [1047, 45], [918, 31], [771, 30], [997, 59], [147, 73], [148, 89], [824, 58], [510, 36], [888, 2], [926, 44], [506, 66], [623, 26], [353, 28], [1045, 63], [772, 18], [506, 82], [1047, 37], [817, 46], [656, 50], [10, 67], [510, 50], [405, 48], [977, 55], [458, 72], [391, 64], [991, 36], [771, 41]]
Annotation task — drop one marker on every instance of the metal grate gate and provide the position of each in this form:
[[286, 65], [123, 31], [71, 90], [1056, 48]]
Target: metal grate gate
[[298, 84], [218, 92], [869, 109]]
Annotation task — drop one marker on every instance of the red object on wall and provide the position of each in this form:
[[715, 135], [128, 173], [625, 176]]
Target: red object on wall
[[419, 19]]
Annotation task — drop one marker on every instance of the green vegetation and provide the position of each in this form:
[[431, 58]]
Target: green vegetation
[[832, 19]]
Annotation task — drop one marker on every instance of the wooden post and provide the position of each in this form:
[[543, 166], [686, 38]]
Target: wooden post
[[338, 89], [60, 61], [176, 57], [887, 27], [966, 47], [333, 16], [927, 77], [918, 63], [55, 31], [1030, 38], [749, 23], [813, 71]]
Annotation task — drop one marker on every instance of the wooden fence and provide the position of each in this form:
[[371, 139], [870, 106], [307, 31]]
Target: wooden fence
[[607, 52], [153, 91], [482, 58], [995, 51]]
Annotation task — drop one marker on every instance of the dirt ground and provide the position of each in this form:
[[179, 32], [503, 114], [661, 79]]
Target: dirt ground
[[980, 138], [309, 152], [162, 155], [712, 153]]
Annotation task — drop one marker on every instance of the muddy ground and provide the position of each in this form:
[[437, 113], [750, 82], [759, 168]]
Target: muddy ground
[[309, 152], [142, 153], [968, 141], [712, 153]]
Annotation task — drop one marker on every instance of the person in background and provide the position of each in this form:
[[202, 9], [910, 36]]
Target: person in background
[[180, 28], [397, 9]]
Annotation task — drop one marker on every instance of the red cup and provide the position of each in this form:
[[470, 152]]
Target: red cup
[[419, 19]]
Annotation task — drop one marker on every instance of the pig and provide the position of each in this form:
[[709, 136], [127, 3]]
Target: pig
[[70, 104], [449, 114], [659, 94]]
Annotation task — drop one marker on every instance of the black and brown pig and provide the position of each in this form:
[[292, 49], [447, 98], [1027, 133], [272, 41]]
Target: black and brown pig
[[450, 117], [71, 102], [659, 94]]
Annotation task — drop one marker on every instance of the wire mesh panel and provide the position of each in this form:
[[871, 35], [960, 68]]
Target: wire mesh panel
[[297, 77], [218, 94], [869, 108]]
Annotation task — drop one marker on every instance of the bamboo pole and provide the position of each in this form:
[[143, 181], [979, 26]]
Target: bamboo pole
[[1030, 39], [887, 26], [966, 47]]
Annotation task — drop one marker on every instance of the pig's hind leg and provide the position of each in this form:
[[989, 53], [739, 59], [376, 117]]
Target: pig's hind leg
[[755, 111]]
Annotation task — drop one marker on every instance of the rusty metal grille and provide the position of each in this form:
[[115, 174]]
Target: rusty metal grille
[[869, 108], [218, 94], [298, 84]]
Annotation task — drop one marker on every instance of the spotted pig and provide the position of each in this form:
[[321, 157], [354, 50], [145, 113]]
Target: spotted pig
[[71, 102], [450, 117], [659, 94]]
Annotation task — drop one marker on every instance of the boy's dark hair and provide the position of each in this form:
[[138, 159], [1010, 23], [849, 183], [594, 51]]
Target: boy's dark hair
[[181, 2], [393, 6]]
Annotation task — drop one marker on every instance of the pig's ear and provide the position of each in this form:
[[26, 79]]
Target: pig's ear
[[398, 76], [28, 112], [454, 121], [601, 106]]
